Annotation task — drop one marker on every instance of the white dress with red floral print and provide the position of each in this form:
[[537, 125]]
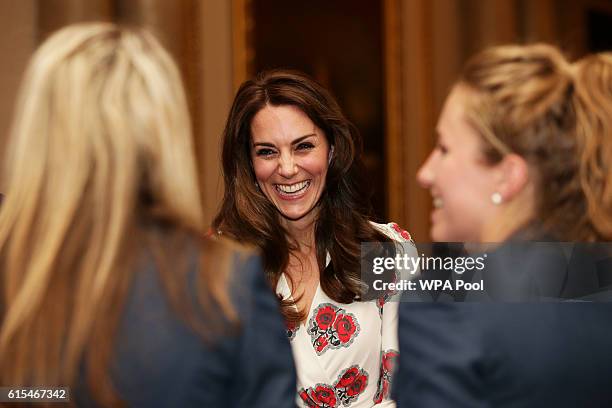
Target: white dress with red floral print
[[344, 353]]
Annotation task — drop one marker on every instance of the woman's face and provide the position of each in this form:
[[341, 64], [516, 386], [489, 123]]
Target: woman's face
[[290, 157], [459, 180]]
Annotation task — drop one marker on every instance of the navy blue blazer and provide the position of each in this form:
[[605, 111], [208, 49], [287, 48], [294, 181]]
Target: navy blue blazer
[[491, 354], [161, 362]]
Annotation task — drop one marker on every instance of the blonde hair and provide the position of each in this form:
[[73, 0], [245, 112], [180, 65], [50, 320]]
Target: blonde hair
[[101, 143], [524, 100], [593, 99]]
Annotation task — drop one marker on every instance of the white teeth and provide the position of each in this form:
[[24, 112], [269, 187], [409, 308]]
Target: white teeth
[[292, 188], [437, 202]]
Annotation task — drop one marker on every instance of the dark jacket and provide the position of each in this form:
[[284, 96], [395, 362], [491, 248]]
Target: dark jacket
[[540, 350], [162, 362]]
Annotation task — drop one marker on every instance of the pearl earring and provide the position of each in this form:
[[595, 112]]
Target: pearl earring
[[496, 198]]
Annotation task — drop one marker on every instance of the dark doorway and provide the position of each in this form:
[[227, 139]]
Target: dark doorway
[[599, 26]]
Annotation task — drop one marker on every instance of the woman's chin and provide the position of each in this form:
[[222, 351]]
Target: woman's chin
[[437, 233], [293, 215]]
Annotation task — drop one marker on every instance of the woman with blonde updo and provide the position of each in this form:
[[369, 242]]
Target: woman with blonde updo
[[516, 138], [106, 285], [524, 154]]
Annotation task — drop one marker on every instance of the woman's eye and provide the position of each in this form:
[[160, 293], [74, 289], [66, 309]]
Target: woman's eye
[[304, 146], [442, 149], [264, 152]]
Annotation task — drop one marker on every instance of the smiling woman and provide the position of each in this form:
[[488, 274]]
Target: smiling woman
[[460, 180], [294, 188], [290, 157], [524, 155]]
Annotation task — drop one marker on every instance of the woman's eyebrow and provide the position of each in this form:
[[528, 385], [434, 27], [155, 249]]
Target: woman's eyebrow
[[263, 144], [299, 139], [295, 141]]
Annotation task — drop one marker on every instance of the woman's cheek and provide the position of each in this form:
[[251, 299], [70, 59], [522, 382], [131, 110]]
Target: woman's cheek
[[263, 169]]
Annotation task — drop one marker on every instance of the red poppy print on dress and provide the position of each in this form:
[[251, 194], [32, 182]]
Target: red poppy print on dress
[[319, 396], [387, 366], [351, 383], [380, 303], [345, 326], [325, 316], [291, 329], [402, 232], [331, 327]]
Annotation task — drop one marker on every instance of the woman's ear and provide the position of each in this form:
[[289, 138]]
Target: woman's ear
[[513, 176]]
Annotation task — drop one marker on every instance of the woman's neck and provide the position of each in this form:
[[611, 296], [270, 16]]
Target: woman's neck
[[506, 225], [302, 232]]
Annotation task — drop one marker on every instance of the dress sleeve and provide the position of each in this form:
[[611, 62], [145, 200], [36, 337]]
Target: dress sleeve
[[265, 372], [394, 231], [388, 307], [388, 354]]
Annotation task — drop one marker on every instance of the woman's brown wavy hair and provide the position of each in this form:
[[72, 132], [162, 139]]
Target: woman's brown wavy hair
[[342, 224], [529, 100]]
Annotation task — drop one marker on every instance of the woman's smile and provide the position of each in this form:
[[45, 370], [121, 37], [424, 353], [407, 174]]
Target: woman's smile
[[290, 158]]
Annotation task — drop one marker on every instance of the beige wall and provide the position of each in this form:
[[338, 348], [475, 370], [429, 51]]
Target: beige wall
[[17, 19], [216, 89]]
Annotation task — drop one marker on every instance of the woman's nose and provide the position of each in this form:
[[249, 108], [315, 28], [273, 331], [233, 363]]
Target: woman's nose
[[425, 175], [287, 167]]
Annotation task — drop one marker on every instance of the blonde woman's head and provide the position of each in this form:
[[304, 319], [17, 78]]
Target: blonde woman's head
[[102, 115], [512, 125], [100, 145]]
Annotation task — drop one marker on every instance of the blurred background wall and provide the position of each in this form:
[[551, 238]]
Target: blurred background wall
[[390, 63]]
